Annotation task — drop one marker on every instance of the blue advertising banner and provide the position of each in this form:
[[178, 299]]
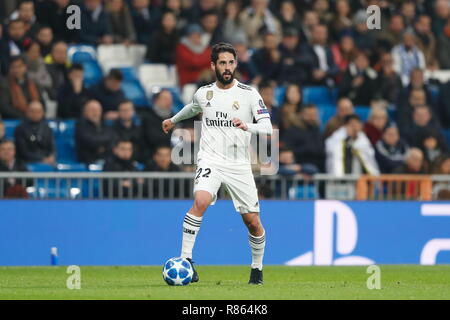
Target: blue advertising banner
[[135, 232]]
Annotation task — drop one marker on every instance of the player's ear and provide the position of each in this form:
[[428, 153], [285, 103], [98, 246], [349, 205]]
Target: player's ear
[[213, 66]]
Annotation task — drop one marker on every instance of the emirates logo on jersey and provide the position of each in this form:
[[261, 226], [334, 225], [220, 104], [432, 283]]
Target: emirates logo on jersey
[[235, 105]]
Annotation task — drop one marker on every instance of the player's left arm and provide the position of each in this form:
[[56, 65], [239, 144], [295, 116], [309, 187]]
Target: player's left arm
[[261, 114]]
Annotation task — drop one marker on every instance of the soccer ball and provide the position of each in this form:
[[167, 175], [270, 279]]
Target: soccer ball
[[177, 272]]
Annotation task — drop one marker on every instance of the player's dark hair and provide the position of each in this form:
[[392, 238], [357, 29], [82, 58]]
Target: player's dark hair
[[220, 48], [351, 117]]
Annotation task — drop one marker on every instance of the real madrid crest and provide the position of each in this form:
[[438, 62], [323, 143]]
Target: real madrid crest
[[209, 94], [235, 105]]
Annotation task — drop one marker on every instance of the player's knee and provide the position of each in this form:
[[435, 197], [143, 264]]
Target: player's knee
[[201, 204], [254, 225]]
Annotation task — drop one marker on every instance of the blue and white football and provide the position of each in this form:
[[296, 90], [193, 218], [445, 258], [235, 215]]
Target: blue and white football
[[177, 272]]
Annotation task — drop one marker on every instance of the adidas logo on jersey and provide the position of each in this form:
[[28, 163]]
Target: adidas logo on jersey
[[208, 104]]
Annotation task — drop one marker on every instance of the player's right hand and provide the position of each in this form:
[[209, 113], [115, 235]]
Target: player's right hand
[[167, 125]]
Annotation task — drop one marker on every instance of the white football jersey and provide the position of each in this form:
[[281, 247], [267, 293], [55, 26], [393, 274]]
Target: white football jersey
[[220, 141]]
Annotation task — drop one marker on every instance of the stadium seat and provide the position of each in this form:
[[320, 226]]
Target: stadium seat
[[71, 167], [280, 93], [118, 55], [326, 111], [362, 112], [92, 72], [319, 95], [40, 167], [82, 53], [65, 142], [10, 126], [155, 76], [134, 92], [54, 126], [446, 133], [129, 73]]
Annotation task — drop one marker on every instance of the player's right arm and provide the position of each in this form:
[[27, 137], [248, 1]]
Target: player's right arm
[[190, 110]]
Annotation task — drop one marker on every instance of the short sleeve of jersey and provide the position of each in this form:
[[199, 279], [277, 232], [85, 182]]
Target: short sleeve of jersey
[[196, 106], [259, 110]]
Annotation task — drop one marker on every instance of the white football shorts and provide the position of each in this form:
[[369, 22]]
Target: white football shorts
[[240, 185]]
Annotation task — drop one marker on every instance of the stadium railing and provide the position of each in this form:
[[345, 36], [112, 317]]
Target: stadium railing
[[179, 185], [395, 187]]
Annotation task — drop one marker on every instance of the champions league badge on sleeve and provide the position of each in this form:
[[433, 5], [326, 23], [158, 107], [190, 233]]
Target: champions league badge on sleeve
[[261, 104]]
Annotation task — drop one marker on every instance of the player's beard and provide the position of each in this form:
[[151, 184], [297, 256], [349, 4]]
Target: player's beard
[[221, 79]]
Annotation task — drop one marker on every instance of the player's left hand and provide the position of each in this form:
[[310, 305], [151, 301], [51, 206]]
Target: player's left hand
[[240, 124]]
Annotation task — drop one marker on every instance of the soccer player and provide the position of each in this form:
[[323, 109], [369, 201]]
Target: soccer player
[[228, 108]]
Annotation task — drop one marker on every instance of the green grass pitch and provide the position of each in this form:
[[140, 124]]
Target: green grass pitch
[[228, 283]]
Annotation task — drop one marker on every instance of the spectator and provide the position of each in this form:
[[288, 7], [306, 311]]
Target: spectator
[[432, 146], [163, 43], [122, 27], [4, 52], [389, 82], [390, 150], [392, 36], [365, 39], [96, 24], [288, 166], [440, 16], [268, 58], [343, 54], [45, 38], [153, 135], [2, 131], [127, 127], [17, 91], [109, 93], [344, 108], [246, 70], [73, 95], [37, 69], [162, 161], [210, 24], [17, 38], [289, 17], [306, 141], [360, 81], [92, 138], [413, 164], [53, 15], [426, 41], [145, 19], [34, 138], [12, 188], [232, 25], [25, 13], [57, 66], [341, 21], [348, 151], [322, 66], [198, 9], [267, 92], [407, 56], [444, 105], [443, 47], [293, 64], [422, 121], [309, 22], [322, 7], [373, 128], [408, 12], [442, 166], [259, 20], [121, 160], [290, 109], [192, 55]]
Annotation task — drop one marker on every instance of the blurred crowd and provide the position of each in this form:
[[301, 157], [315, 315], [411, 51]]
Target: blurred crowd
[[280, 43]]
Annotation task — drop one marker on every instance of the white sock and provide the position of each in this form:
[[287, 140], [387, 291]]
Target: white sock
[[257, 244], [191, 227]]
